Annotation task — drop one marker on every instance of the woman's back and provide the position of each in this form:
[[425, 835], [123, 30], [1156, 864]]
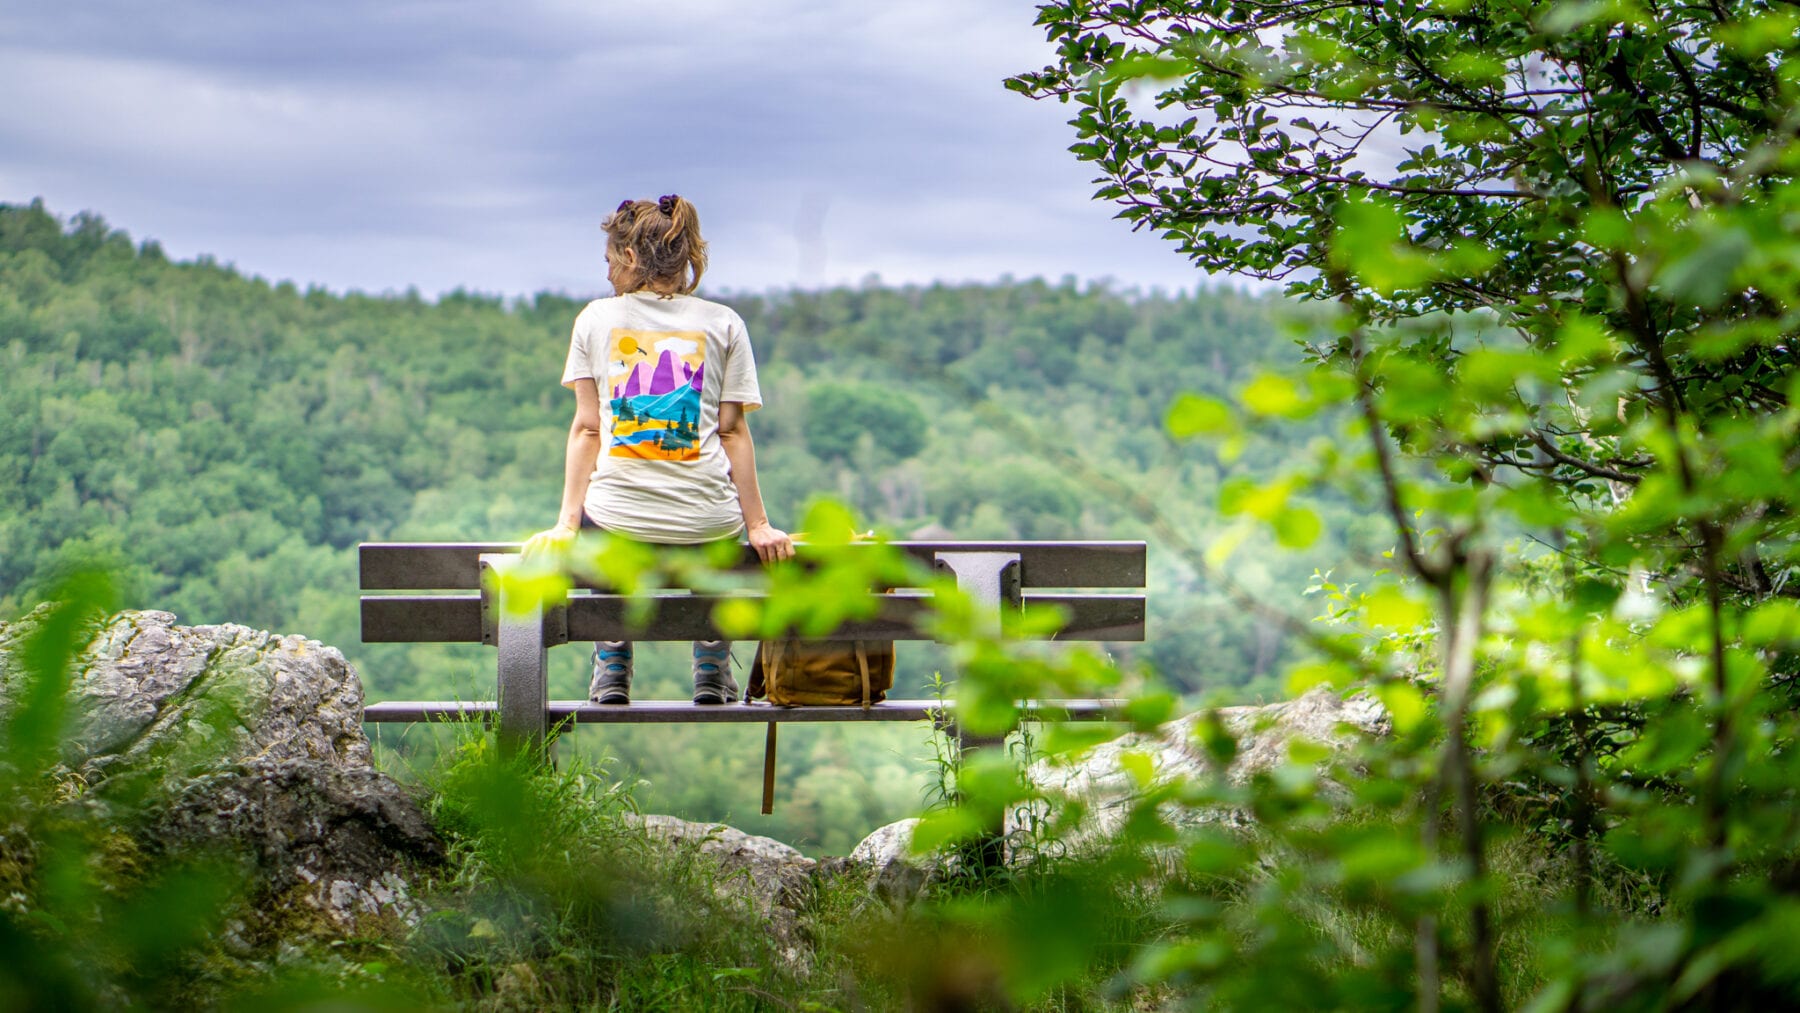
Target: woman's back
[[663, 364]]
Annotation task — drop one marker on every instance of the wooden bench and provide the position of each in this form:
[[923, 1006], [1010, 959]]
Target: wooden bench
[[446, 593]]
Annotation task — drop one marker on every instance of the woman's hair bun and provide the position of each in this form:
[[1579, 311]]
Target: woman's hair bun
[[667, 246]]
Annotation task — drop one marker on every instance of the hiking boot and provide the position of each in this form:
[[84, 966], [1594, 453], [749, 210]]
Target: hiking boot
[[713, 683], [612, 672]]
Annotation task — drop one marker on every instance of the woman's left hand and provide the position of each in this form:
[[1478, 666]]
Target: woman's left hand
[[771, 543]]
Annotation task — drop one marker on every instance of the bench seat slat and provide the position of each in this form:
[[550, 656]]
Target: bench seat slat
[[456, 618], [653, 712], [397, 566]]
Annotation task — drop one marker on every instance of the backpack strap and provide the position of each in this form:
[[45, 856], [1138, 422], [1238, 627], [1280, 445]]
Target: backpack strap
[[769, 771], [862, 662], [772, 666]]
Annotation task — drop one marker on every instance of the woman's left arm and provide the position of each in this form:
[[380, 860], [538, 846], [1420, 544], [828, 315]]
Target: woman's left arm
[[578, 467], [770, 542]]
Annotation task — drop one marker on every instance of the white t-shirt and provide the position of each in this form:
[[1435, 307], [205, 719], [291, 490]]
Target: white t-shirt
[[663, 365]]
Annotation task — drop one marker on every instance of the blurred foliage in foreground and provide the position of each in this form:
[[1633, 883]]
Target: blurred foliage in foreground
[[1567, 310]]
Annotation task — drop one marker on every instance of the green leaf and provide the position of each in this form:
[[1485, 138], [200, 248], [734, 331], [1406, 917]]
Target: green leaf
[[1297, 527], [829, 522], [1703, 275], [1309, 674], [1220, 549], [525, 588], [1570, 15], [1195, 415], [1213, 854], [739, 618], [1773, 624], [1150, 710], [1406, 705], [1153, 66], [1276, 396], [1380, 859], [1583, 339], [1215, 738], [1263, 502], [1395, 609], [1592, 596], [1139, 765], [941, 828], [1491, 375], [1371, 244]]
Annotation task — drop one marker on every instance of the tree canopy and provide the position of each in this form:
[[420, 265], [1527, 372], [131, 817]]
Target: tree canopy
[[1558, 243]]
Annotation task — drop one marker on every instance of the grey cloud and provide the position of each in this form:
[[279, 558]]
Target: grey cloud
[[442, 144]]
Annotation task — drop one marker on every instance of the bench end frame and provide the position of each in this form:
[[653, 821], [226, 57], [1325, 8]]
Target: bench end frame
[[521, 634]]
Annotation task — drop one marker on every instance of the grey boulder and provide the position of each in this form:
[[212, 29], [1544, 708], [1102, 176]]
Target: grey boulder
[[231, 742]]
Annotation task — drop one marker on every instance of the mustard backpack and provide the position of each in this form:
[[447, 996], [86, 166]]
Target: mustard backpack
[[813, 673]]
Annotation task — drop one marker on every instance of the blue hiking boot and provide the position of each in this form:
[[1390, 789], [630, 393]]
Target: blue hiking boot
[[713, 683], [612, 672]]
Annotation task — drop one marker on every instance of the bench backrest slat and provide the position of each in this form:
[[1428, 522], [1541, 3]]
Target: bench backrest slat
[[397, 566], [456, 618]]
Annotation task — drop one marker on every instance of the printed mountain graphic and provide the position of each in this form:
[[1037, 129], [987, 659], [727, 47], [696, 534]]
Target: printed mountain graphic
[[657, 427], [656, 397], [669, 407], [636, 382], [668, 375], [662, 439], [664, 379]]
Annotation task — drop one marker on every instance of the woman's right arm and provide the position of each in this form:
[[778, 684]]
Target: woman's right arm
[[578, 468]]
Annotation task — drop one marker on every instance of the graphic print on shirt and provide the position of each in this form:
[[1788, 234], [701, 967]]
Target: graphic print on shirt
[[655, 378]]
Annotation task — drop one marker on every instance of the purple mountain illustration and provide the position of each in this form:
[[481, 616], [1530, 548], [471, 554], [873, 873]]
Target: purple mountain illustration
[[663, 380], [638, 382], [698, 382]]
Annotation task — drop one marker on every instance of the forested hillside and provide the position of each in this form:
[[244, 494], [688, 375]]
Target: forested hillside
[[224, 443]]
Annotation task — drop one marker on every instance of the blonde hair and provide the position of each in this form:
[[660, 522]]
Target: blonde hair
[[664, 239]]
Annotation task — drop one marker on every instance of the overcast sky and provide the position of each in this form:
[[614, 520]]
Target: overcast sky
[[377, 145]]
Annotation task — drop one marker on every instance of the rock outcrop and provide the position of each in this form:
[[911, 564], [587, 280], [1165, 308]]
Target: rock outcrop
[[775, 879], [231, 741], [1108, 786]]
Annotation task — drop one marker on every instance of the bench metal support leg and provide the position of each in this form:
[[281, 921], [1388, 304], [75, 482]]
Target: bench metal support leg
[[520, 633], [987, 852], [992, 579]]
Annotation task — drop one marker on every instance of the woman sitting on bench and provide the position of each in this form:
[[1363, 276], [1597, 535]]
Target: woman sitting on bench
[[665, 455]]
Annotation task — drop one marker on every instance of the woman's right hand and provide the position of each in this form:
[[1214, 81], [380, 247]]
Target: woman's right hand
[[771, 543], [556, 540]]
